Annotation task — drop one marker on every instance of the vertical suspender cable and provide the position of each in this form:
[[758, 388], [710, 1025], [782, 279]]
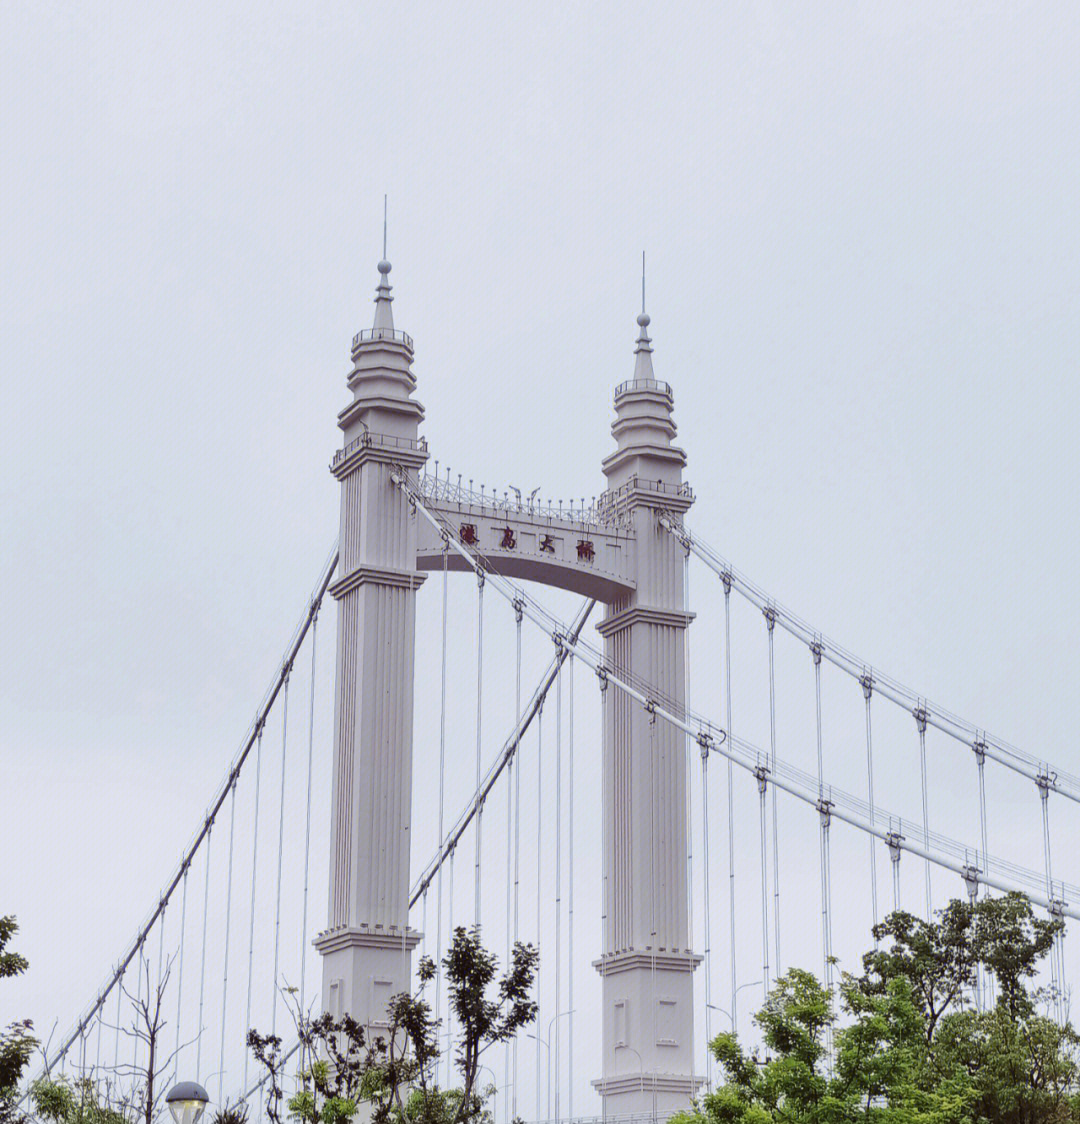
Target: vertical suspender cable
[[979, 748], [770, 622], [558, 877], [507, 1047], [228, 925], [539, 871], [868, 689], [518, 614], [202, 961], [652, 893], [479, 703], [823, 811], [138, 995], [97, 1041], [116, 1036], [307, 814], [707, 951], [449, 1002], [180, 975], [442, 796], [604, 923], [1055, 980], [689, 838], [762, 786], [280, 845], [894, 855], [254, 873], [726, 579], [570, 913], [161, 942], [920, 718]]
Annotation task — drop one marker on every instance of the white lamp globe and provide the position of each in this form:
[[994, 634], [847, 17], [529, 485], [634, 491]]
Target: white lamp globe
[[186, 1102]]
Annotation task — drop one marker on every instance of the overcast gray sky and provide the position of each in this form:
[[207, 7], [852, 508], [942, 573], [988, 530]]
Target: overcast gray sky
[[862, 234]]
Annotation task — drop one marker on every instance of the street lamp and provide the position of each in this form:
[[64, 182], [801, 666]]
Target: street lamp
[[187, 1100], [741, 987], [544, 1042]]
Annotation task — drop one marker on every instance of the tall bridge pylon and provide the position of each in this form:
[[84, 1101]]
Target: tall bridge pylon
[[617, 552]]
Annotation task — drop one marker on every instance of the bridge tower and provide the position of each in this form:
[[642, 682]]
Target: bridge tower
[[646, 964], [367, 945], [617, 553]]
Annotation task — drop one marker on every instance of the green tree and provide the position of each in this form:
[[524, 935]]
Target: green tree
[[910, 1047], [17, 1041], [395, 1072]]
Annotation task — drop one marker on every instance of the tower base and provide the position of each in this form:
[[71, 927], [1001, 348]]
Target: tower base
[[648, 1032], [649, 1096], [363, 969]]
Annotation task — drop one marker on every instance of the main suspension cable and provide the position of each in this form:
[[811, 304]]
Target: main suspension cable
[[188, 856], [736, 750], [957, 728]]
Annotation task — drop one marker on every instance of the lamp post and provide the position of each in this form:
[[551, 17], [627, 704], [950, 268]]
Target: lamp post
[[544, 1042], [641, 1075], [714, 1007], [187, 1100]]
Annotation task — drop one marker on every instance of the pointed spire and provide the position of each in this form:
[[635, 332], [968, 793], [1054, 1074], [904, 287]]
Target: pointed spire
[[643, 368], [384, 314]]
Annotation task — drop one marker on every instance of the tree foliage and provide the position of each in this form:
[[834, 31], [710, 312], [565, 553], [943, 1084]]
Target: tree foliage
[[910, 1047], [394, 1072], [17, 1041]]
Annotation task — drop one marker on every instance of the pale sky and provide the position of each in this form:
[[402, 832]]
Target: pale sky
[[863, 248]]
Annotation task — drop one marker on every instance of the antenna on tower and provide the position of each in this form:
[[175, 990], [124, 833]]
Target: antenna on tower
[[642, 280], [384, 240]]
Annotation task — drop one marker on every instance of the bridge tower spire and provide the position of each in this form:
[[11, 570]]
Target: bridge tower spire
[[647, 964], [367, 944]]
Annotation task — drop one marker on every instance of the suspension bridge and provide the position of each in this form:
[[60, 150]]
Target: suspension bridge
[[489, 763]]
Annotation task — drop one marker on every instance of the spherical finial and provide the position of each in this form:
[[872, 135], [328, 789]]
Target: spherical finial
[[643, 320], [384, 267]]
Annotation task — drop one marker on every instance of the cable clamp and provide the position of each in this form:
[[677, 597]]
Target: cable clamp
[[602, 675], [824, 807], [762, 774], [769, 613], [480, 577], [979, 747], [970, 875], [445, 534], [704, 740], [725, 577], [815, 651], [895, 842], [650, 709], [866, 681], [519, 609], [1056, 909], [557, 640], [1044, 782], [920, 714]]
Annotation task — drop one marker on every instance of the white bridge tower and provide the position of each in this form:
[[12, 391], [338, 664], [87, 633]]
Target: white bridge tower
[[617, 553]]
